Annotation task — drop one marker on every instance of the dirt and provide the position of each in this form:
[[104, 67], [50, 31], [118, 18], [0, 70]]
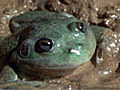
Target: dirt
[[104, 73]]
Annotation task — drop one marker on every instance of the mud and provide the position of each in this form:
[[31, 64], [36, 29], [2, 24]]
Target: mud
[[101, 74]]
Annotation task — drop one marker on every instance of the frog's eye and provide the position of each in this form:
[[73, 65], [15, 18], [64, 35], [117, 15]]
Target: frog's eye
[[77, 26], [44, 45], [24, 51]]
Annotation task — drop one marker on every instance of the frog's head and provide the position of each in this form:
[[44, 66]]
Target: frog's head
[[50, 44]]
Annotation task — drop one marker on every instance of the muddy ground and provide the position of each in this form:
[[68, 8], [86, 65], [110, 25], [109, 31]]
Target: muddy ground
[[103, 73]]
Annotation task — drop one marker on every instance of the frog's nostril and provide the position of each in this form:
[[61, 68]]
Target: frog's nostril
[[44, 45]]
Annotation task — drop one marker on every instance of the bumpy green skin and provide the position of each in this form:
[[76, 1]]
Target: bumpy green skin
[[72, 47]]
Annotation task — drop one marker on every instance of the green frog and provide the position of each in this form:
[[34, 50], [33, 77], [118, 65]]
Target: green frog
[[47, 45]]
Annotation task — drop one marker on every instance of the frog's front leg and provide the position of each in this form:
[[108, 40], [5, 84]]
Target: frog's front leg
[[100, 32], [103, 39], [8, 75], [20, 22]]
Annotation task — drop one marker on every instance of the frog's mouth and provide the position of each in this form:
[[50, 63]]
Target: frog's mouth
[[37, 70], [43, 63], [32, 72]]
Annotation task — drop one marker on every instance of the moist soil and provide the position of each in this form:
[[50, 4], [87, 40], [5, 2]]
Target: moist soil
[[103, 71]]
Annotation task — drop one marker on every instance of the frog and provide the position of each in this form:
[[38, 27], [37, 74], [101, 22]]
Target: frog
[[48, 45]]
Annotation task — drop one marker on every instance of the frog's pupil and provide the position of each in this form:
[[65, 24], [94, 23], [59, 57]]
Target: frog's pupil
[[43, 45], [80, 27]]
